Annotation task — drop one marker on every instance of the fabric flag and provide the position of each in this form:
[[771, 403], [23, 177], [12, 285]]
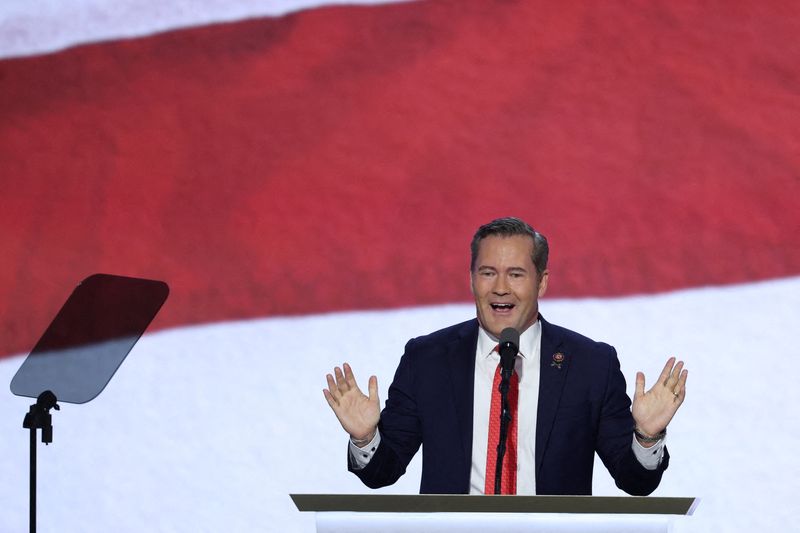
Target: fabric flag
[[307, 179]]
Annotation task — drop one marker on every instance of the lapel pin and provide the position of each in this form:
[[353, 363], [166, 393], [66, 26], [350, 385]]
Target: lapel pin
[[558, 360]]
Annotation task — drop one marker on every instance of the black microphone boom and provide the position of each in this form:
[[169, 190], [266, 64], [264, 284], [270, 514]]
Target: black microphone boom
[[509, 347]]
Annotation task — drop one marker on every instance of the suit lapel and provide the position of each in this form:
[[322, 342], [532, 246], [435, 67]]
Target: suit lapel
[[552, 376], [461, 357]]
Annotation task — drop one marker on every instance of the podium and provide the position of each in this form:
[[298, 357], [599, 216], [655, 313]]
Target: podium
[[371, 513]]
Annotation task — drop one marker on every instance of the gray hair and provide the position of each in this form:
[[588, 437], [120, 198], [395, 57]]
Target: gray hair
[[508, 227]]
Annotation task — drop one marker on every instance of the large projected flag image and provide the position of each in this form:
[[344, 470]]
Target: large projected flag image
[[307, 177]]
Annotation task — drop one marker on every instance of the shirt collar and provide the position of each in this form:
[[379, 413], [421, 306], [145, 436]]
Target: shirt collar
[[527, 340]]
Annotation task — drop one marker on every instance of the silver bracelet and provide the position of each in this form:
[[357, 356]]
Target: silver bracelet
[[361, 443], [647, 438]]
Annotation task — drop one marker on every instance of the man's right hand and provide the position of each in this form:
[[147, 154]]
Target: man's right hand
[[358, 414]]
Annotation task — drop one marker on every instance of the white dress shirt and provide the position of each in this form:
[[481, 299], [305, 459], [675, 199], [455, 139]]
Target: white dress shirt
[[526, 366]]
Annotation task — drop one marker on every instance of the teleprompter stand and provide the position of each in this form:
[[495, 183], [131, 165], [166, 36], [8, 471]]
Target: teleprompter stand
[[39, 418], [81, 350]]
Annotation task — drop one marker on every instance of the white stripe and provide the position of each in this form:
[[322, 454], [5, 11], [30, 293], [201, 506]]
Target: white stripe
[[41, 26], [198, 430]]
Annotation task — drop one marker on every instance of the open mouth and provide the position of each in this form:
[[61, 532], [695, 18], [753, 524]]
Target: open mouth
[[502, 307]]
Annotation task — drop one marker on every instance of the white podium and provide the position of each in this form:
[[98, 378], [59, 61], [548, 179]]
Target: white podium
[[380, 513]]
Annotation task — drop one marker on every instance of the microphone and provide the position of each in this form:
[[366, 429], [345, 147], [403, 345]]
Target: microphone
[[509, 347]]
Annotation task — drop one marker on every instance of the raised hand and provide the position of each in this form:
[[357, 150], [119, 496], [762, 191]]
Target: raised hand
[[357, 413], [653, 410]]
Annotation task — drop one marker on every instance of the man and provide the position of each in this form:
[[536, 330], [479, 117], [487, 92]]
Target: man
[[571, 394]]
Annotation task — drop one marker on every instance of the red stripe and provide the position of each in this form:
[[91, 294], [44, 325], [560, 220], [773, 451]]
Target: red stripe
[[341, 158]]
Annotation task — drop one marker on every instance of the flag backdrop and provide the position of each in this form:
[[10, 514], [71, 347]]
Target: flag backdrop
[[308, 183]]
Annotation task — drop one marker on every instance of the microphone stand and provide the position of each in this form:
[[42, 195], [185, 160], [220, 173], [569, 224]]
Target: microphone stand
[[38, 417], [505, 420]]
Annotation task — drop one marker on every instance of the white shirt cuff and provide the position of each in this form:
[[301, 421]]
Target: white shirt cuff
[[360, 457], [650, 457]]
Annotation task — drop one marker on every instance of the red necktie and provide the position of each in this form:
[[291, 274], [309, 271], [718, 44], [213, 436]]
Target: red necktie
[[508, 483]]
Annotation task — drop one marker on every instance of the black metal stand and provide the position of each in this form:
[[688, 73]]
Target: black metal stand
[[38, 417], [505, 420]]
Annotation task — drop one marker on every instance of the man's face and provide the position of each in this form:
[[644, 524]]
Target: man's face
[[505, 284]]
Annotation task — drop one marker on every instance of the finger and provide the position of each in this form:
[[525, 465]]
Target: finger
[[341, 383], [330, 399], [667, 371], [349, 377], [332, 389], [373, 389], [639, 385], [682, 385], [675, 375]]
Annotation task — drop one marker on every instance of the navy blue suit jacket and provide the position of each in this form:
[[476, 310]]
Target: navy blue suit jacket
[[583, 408]]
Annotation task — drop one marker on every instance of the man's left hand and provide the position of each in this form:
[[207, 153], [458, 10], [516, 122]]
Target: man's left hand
[[653, 410]]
